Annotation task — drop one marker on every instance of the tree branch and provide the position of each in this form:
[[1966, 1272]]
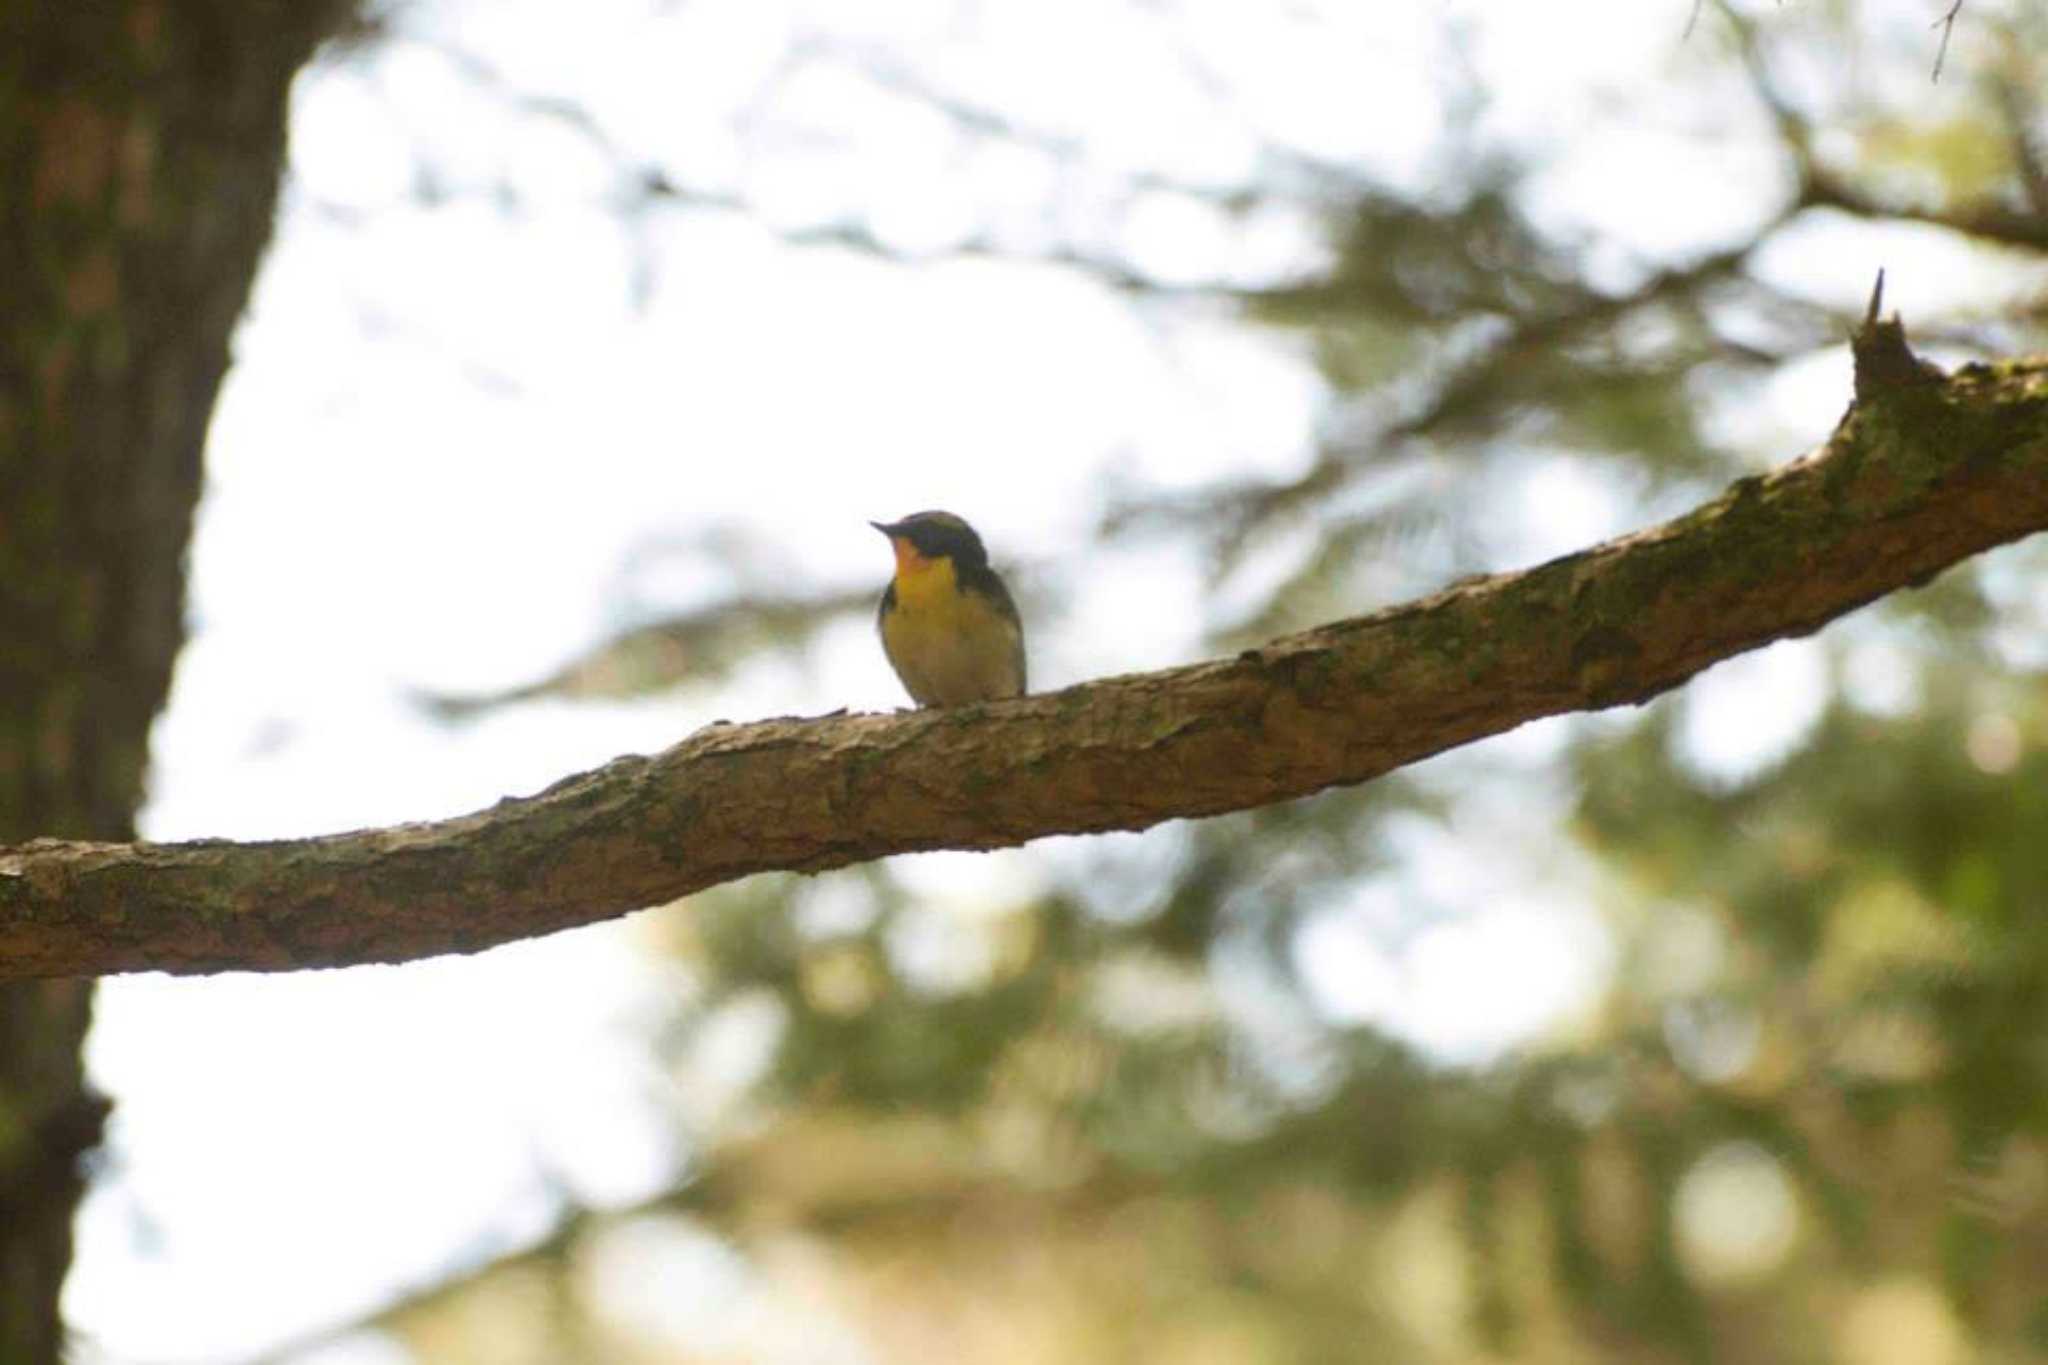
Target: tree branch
[[1985, 219], [1925, 470], [1947, 24]]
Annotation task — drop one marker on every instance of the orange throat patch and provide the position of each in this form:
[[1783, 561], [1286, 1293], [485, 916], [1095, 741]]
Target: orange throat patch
[[920, 579]]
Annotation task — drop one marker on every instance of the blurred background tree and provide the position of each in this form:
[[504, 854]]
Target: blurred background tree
[[1713, 1030], [139, 160]]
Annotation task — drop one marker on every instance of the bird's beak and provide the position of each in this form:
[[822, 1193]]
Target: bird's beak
[[907, 557]]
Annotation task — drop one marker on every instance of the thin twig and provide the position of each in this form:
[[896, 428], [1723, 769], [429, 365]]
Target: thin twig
[[1947, 24]]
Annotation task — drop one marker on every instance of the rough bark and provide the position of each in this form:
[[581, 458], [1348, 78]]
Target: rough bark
[[1925, 470], [140, 149]]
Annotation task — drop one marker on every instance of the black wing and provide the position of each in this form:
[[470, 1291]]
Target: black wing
[[982, 579]]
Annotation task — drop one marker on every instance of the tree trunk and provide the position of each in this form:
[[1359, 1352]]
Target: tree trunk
[[141, 145]]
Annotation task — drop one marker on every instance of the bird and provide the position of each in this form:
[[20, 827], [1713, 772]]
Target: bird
[[948, 625]]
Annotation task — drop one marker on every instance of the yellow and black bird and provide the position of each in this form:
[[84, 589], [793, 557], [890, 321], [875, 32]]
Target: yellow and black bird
[[948, 625]]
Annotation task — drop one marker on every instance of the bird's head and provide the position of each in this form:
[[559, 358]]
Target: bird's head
[[925, 536]]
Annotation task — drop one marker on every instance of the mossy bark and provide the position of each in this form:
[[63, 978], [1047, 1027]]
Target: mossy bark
[[1922, 473], [141, 144]]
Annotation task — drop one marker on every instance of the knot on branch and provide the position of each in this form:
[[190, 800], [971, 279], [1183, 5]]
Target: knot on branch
[[1883, 359]]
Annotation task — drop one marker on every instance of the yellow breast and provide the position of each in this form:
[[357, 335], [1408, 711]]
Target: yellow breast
[[949, 646]]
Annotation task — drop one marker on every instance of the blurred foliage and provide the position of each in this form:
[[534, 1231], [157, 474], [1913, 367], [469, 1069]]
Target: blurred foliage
[[1109, 1117]]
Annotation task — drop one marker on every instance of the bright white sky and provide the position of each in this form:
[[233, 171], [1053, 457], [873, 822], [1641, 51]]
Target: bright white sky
[[449, 428]]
